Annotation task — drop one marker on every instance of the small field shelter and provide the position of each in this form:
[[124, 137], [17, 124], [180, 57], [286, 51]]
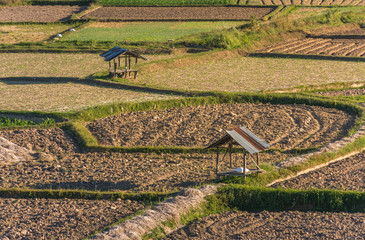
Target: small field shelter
[[122, 62]]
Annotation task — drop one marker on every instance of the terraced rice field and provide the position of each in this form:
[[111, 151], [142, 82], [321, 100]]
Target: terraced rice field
[[283, 126], [275, 225], [350, 43], [347, 174]]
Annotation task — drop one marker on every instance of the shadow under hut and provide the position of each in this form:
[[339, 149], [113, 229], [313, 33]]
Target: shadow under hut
[[122, 62], [251, 145]]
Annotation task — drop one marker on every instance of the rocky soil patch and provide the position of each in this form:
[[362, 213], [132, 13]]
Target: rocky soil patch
[[283, 126], [347, 174], [275, 225], [59, 218], [117, 171], [68, 168], [52, 141], [38, 13], [178, 13]]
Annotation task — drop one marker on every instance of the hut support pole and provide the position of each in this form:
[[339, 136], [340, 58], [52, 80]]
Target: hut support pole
[[129, 64], [244, 165], [216, 164], [110, 66], [126, 67], [230, 155], [258, 161], [135, 68]]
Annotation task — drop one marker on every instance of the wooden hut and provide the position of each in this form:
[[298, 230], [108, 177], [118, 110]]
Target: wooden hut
[[251, 145], [122, 62]]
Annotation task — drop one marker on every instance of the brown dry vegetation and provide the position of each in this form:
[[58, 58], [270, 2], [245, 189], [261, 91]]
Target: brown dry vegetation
[[29, 33], [254, 74], [50, 64], [60, 96]]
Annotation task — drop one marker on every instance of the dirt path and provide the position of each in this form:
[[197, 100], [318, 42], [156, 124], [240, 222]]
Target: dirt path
[[59, 218], [347, 174], [178, 13], [283, 126], [275, 225]]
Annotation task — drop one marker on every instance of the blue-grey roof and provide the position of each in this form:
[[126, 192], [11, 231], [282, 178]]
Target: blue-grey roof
[[117, 51]]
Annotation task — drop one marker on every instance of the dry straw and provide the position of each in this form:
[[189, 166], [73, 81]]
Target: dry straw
[[187, 200]]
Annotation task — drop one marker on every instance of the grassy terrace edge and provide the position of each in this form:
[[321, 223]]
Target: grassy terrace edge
[[238, 197]]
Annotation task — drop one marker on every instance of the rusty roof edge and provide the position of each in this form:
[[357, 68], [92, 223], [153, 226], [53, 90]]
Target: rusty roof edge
[[248, 138]]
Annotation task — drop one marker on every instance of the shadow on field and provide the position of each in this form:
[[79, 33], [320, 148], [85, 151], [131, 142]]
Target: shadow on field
[[92, 185], [87, 81]]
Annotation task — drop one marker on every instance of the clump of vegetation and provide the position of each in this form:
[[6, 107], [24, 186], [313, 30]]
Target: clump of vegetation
[[12, 122]]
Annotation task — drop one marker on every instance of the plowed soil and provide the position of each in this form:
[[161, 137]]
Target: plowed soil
[[38, 13], [347, 174], [107, 171], [178, 13], [348, 43], [283, 126], [275, 225], [59, 218]]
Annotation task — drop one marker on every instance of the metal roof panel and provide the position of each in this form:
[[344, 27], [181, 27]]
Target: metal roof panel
[[256, 138], [243, 142]]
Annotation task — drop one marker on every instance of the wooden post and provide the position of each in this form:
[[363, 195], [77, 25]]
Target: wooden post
[[258, 161], [125, 69], [244, 165], [118, 62], [129, 64], [110, 66], [230, 155], [217, 164], [115, 69], [135, 68]]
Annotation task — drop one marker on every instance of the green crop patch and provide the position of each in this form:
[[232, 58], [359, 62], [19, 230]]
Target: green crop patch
[[146, 31]]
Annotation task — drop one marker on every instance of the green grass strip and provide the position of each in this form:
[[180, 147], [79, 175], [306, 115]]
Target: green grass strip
[[254, 199], [83, 194]]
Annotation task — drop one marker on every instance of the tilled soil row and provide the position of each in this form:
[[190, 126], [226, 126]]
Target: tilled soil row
[[283, 126], [38, 13], [348, 43], [59, 218], [178, 13], [347, 174], [118, 171], [275, 225]]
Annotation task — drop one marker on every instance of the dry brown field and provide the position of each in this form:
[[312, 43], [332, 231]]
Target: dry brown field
[[59, 218], [275, 225], [38, 13], [283, 126], [346, 43], [178, 13], [67, 167], [347, 174]]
